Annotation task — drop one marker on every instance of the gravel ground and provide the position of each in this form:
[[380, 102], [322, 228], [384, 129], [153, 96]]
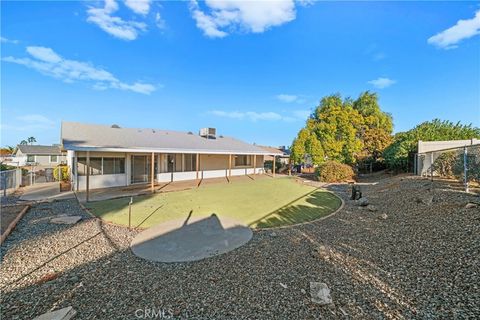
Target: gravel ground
[[421, 262]]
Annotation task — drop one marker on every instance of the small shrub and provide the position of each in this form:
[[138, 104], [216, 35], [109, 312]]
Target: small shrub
[[332, 171], [268, 165], [65, 173]]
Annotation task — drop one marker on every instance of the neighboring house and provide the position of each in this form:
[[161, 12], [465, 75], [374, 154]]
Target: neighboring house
[[283, 154], [39, 156], [126, 156]]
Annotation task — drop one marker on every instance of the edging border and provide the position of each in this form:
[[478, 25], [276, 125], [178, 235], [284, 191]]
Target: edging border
[[342, 205], [13, 224]]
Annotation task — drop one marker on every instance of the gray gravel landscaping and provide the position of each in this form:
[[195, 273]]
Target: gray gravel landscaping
[[410, 258]]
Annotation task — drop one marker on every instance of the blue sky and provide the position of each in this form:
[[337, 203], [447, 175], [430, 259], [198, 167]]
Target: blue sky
[[253, 70]]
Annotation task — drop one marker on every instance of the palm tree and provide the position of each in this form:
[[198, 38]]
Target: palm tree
[[31, 140], [23, 142]]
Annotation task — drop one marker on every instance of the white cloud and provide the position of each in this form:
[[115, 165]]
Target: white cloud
[[36, 119], [115, 26], [48, 62], [138, 6], [159, 21], [463, 29], [287, 97], [5, 40], [226, 16], [30, 123], [260, 116], [381, 83]]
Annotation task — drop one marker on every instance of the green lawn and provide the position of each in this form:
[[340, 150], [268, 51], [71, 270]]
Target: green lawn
[[261, 203]]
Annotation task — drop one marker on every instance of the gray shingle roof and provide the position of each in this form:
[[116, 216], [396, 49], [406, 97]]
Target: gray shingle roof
[[83, 137], [37, 149]]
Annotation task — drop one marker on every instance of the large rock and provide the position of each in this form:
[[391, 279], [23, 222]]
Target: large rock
[[371, 208], [61, 314], [320, 293], [362, 202], [66, 219], [471, 205]]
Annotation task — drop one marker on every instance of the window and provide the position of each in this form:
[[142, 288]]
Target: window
[[53, 158], [190, 162], [95, 166], [113, 165], [30, 158], [242, 160]]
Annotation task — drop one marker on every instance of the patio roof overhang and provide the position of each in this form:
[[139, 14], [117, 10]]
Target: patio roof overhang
[[169, 150]]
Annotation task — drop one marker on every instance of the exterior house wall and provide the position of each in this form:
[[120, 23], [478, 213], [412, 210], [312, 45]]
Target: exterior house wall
[[103, 180], [41, 160], [211, 166]]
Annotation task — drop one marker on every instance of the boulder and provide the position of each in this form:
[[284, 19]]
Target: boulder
[[362, 202], [371, 208], [471, 205], [383, 216], [66, 219], [320, 293], [61, 314]]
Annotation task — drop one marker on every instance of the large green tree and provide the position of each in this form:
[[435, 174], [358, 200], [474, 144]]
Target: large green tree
[[344, 130], [405, 143], [377, 127]]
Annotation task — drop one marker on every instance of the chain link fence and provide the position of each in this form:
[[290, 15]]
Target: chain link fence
[[462, 163], [10, 180]]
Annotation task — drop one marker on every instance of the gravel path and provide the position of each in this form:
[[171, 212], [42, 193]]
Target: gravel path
[[421, 262]]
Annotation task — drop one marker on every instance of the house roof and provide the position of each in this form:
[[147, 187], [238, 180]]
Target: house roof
[[37, 149], [275, 150], [91, 137]]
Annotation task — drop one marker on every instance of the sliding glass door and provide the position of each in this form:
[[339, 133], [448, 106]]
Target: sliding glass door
[[141, 166]]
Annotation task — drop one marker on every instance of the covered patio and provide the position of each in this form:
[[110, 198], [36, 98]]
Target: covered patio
[[144, 189]]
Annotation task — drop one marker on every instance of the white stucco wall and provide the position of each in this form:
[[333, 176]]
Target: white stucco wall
[[102, 181]]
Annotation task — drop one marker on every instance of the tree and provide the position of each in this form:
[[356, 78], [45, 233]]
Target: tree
[[31, 140], [405, 143], [23, 142], [376, 132], [344, 130]]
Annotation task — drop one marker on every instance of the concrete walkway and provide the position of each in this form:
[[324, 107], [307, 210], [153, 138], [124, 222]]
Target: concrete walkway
[[183, 240], [45, 191]]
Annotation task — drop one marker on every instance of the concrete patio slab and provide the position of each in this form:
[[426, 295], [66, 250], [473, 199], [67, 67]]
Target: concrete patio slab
[[183, 240], [45, 191], [136, 190]]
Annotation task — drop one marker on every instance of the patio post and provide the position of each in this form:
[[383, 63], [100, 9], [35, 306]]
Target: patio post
[[197, 162], [289, 166], [273, 166], [88, 177], [254, 165], [229, 165], [152, 172]]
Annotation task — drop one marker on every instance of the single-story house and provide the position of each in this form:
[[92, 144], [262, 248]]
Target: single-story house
[[38, 156], [284, 158], [109, 156]]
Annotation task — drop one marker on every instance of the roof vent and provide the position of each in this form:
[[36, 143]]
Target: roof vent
[[208, 133], [116, 126]]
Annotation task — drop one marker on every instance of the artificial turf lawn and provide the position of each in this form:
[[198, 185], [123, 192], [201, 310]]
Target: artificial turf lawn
[[262, 203]]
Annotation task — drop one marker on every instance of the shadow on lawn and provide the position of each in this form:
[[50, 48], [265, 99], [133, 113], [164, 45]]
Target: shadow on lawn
[[322, 203]]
